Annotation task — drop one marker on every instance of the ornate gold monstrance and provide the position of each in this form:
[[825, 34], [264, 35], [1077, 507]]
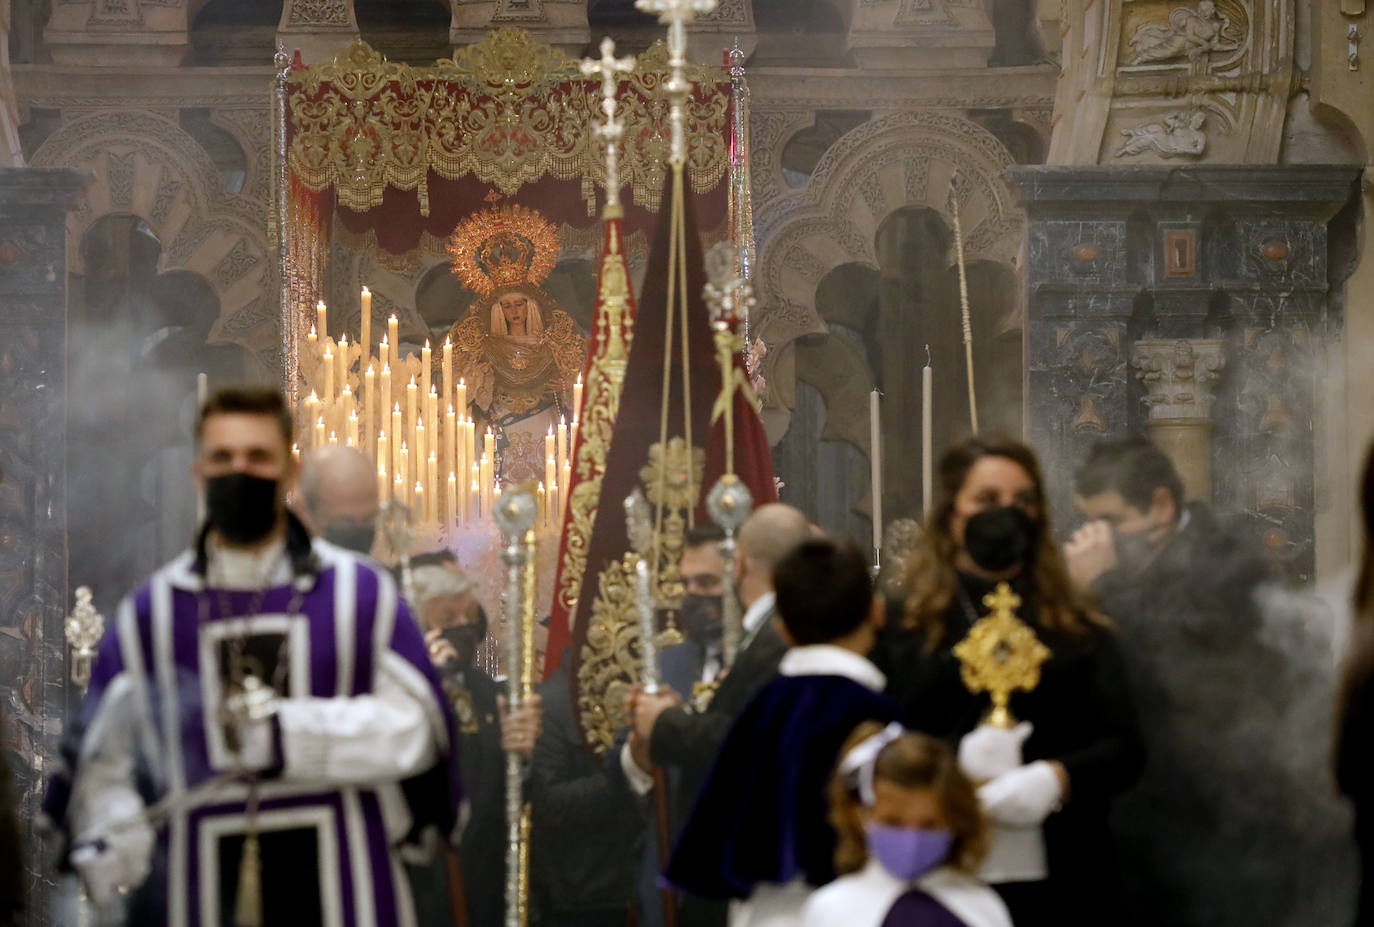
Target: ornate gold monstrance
[[1001, 655]]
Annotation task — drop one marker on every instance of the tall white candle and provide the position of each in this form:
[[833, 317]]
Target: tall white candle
[[876, 467], [927, 442], [365, 328]]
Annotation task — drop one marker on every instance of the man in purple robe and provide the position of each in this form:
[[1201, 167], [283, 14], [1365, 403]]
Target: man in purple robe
[[263, 728]]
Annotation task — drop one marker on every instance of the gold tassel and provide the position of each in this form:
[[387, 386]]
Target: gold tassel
[[248, 906]]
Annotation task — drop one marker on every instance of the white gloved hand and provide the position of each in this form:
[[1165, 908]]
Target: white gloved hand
[[987, 752], [113, 863], [257, 751], [1023, 797]]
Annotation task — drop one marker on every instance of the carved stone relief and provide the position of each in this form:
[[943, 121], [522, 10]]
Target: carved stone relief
[[145, 164], [107, 33], [950, 33], [561, 23], [1150, 81], [905, 159]]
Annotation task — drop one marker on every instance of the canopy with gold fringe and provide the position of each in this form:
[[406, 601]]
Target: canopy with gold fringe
[[400, 154]]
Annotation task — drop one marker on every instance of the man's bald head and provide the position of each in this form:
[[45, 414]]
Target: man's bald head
[[769, 534], [338, 488]]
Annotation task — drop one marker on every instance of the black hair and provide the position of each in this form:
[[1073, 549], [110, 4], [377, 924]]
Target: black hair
[[708, 532], [1133, 467], [824, 590], [247, 400]]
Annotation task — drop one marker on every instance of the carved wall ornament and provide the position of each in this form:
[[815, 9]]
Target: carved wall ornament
[[1179, 375], [1190, 33], [318, 13], [1179, 135]]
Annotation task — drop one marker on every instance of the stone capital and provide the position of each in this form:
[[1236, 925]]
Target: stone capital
[[1179, 375], [560, 23], [319, 28]]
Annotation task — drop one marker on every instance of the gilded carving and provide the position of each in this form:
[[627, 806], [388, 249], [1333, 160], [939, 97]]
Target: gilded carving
[[507, 110]]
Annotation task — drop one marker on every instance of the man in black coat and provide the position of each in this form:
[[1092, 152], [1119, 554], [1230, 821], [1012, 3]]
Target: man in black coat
[[1209, 837], [669, 731]]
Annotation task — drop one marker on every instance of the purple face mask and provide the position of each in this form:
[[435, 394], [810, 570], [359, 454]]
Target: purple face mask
[[908, 853]]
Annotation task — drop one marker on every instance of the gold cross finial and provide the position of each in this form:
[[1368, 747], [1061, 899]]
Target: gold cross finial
[[1001, 655], [609, 68], [676, 14]]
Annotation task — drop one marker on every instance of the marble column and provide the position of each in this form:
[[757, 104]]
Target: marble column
[[33, 507], [1124, 263], [1180, 376]]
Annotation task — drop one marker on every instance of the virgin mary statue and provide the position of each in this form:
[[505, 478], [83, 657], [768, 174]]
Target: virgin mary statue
[[518, 352]]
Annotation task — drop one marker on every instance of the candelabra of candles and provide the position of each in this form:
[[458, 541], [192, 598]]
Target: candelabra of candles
[[420, 433]]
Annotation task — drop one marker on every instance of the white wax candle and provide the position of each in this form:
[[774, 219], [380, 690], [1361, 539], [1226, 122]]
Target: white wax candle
[[875, 444], [927, 442]]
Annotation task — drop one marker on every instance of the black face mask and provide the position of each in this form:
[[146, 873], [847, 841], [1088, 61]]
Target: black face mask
[[465, 638], [241, 507], [354, 536], [700, 616], [999, 539]]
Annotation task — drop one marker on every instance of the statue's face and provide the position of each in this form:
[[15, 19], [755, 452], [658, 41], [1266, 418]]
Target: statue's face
[[515, 307], [1206, 8]]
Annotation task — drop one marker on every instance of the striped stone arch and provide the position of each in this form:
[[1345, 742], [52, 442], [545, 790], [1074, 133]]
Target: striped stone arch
[[143, 164], [919, 159]]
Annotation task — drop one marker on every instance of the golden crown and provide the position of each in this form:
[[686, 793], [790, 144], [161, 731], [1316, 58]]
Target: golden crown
[[501, 247]]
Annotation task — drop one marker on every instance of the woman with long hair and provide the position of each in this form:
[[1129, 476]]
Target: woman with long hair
[[1355, 712], [1047, 782]]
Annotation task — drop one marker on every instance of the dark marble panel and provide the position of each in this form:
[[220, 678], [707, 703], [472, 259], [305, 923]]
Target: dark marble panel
[[33, 514], [1258, 279]]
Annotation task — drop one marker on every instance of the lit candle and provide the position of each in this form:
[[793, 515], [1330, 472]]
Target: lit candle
[[397, 436], [432, 414], [352, 427], [452, 513], [426, 362], [471, 439], [451, 440], [475, 499], [319, 431], [489, 446], [382, 483], [370, 400], [484, 476], [420, 445], [365, 326], [553, 500], [403, 468], [398, 489], [876, 466], [296, 453], [549, 446], [566, 483], [927, 444], [384, 397], [312, 406], [328, 373], [462, 396], [448, 370], [577, 398], [419, 505], [394, 338], [320, 312], [381, 448], [311, 338], [412, 402], [343, 358], [543, 501], [550, 471], [432, 485], [562, 443]]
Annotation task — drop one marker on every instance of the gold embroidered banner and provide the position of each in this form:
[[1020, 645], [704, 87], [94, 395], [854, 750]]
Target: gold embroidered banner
[[509, 111]]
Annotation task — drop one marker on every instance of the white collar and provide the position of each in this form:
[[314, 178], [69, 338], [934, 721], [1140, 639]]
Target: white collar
[[234, 568], [829, 660], [755, 614]]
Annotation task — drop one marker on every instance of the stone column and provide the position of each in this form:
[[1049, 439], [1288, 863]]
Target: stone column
[[1179, 376], [319, 28], [33, 498]]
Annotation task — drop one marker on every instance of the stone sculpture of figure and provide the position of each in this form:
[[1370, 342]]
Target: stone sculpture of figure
[[1179, 135], [1189, 33], [518, 352]]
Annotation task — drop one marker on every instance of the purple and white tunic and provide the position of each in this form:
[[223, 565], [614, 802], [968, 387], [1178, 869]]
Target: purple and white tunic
[[361, 713]]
